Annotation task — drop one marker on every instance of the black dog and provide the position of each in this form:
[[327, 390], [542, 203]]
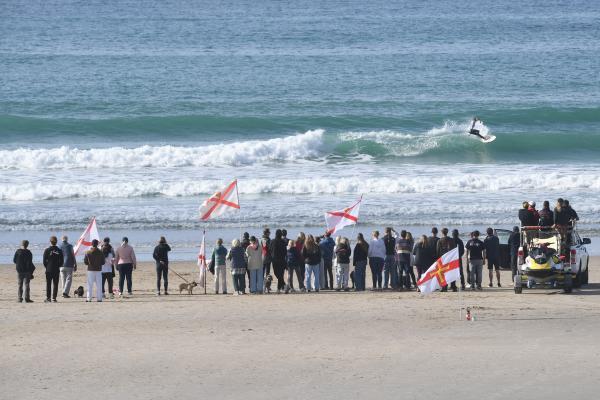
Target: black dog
[[352, 279], [78, 292], [268, 281]]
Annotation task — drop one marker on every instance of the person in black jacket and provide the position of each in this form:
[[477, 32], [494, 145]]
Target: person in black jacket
[[571, 212], [24, 264], [524, 214], [423, 255], [514, 241], [360, 259], [461, 253], [53, 260], [265, 244], [278, 257], [390, 270], [342, 272], [311, 252], [161, 256], [546, 215]]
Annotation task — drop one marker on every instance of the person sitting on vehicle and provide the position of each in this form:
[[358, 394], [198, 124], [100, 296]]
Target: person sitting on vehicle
[[533, 215], [474, 131], [524, 213], [570, 212], [546, 216]]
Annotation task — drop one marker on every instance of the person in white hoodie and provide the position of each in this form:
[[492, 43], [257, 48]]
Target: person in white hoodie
[[255, 266], [108, 269], [376, 259]]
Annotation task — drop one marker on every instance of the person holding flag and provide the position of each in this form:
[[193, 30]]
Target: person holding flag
[[443, 272]]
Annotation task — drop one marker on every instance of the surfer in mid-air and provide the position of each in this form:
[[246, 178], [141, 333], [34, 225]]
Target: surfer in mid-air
[[474, 131]]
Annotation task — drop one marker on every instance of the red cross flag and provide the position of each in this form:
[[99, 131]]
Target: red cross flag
[[442, 273], [220, 202], [336, 220], [90, 233]]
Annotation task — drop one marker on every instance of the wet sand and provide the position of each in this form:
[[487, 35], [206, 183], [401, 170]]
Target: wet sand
[[538, 345]]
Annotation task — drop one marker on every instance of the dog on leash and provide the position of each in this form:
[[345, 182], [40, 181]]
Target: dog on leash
[[189, 287], [268, 281], [78, 292]]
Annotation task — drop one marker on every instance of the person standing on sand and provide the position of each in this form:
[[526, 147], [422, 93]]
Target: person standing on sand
[[411, 271], [218, 257], [403, 251], [492, 251], [342, 272], [53, 259], [360, 259], [461, 252], [423, 255], [24, 264], [108, 269], [327, 245], [266, 251], [514, 242], [245, 244], [476, 258], [278, 255], [69, 266], [293, 266], [161, 256], [94, 259], [376, 259], [255, 266], [237, 258], [312, 259], [444, 245], [299, 246], [126, 264], [390, 275]]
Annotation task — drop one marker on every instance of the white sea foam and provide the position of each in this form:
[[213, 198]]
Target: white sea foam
[[290, 148]]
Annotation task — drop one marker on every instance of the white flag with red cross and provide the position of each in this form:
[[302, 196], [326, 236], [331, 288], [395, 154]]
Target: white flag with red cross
[[202, 261], [336, 220], [442, 273], [220, 202], [90, 233]]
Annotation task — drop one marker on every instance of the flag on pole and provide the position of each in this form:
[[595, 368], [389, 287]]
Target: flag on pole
[[202, 261], [90, 233], [220, 202], [442, 273], [336, 220]]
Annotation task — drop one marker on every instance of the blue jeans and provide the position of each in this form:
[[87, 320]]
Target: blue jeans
[[404, 270], [125, 272], [312, 270], [256, 280], [162, 270], [360, 273], [390, 273], [239, 282], [376, 264]]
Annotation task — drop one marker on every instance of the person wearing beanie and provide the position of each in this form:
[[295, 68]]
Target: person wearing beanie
[[94, 259], [52, 260], [161, 256]]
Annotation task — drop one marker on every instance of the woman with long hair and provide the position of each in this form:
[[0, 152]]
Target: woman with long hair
[[108, 269], [423, 255], [312, 261]]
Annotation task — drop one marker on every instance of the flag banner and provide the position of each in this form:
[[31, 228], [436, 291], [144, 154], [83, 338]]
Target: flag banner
[[220, 202], [90, 233], [336, 220], [202, 261], [442, 273]]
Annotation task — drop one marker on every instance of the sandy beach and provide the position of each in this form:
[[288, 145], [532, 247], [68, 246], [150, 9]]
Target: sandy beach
[[539, 345]]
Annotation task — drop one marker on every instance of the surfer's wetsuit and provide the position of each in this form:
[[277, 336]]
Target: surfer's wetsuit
[[474, 131]]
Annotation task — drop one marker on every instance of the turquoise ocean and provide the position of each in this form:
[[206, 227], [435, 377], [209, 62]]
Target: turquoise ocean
[[135, 111]]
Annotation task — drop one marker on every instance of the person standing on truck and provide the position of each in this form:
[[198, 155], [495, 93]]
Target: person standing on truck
[[570, 212], [546, 216], [524, 213]]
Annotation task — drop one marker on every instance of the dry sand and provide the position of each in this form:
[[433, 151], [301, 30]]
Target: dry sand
[[538, 345]]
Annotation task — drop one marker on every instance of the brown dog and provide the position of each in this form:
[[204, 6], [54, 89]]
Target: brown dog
[[187, 286]]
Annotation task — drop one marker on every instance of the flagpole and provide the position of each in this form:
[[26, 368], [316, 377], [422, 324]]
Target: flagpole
[[205, 265], [239, 208]]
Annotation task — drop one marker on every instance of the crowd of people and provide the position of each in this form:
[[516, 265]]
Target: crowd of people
[[313, 263]]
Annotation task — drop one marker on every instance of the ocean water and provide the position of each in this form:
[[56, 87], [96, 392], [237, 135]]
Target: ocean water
[[136, 111]]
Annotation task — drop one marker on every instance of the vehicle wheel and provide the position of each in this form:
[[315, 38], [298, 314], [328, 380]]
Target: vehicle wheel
[[568, 283], [518, 290]]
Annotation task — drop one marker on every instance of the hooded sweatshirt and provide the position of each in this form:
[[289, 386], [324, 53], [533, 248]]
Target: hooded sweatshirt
[[254, 256]]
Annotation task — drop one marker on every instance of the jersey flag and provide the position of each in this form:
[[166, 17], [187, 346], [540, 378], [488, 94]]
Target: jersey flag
[[90, 233], [336, 220], [442, 273], [220, 202]]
